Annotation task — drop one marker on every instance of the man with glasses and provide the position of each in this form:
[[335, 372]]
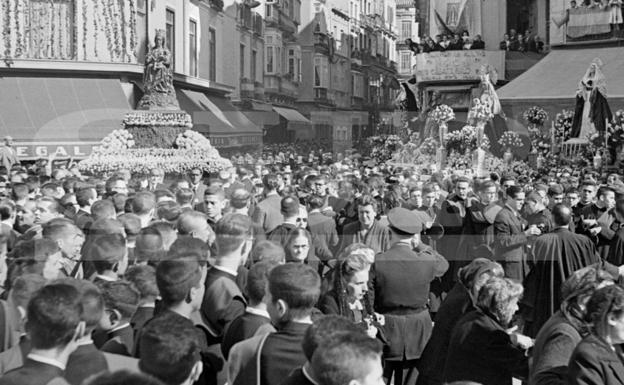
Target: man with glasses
[[156, 180], [196, 184]]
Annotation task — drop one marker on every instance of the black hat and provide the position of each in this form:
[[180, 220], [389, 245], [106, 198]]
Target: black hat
[[403, 221]]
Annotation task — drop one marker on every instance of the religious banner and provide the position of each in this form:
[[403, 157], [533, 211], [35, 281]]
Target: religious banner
[[456, 65], [455, 16], [558, 14]]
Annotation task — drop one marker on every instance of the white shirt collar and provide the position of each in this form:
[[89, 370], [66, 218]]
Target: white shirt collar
[[84, 341], [307, 375], [105, 278], [46, 360], [260, 312], [226, 270], [122, 326]]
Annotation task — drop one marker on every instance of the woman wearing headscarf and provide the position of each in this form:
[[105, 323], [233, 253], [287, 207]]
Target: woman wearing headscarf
[[592, 109], [597, 360], [459, 301], [566, 328]]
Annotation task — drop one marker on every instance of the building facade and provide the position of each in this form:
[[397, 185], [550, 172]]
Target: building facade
[[89, 56], [348, 68]]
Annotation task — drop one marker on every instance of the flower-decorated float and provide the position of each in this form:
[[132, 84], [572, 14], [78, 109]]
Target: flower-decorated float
[[158, 134]]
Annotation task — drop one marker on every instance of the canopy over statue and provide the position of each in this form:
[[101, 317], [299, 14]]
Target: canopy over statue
[[158, 78]]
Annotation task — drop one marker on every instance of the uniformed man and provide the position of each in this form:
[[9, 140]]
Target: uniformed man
[[400, 279]]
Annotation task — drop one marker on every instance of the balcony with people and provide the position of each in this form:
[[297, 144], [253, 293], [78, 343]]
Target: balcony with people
[[588, 21]]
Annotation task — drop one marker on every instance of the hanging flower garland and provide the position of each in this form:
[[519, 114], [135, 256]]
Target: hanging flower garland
[[84, 30], [6, 31], [96, 27], [131, 25], [114, 10], [19, 28], [61, 29], [51, 51], [107, 27]]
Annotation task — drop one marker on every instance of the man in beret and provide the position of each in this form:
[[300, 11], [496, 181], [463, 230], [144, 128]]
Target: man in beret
[[400, 279]]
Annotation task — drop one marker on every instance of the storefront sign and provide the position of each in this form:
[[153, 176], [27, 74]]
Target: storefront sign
[[234, 141], [456, 65], [38, 150]]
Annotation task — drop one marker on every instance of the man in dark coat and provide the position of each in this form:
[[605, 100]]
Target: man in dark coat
[[480, 216], [588, 192], [555, 257], [223, 300], [40, 368], [595, 221], [293, 290], [453, 218], [367, 229], [536, 212], [197, 186], [400, 280], [267, 212], [512, 235]]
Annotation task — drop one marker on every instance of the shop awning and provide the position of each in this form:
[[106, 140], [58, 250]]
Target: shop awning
[[291, 115], [216, 117], [67, 116], [72, 109], [557, 75]]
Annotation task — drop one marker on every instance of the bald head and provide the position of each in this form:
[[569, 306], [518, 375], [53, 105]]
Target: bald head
[[562, 215]]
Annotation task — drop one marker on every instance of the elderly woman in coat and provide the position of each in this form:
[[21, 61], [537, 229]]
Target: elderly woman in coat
[[482, 348], [459, 301]]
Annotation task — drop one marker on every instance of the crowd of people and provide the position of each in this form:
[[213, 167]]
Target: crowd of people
[[446, 42], [514, 41], [289, 272]]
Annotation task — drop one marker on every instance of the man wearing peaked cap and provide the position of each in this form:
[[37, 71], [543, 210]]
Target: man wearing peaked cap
[[404, 221], [401, 277]]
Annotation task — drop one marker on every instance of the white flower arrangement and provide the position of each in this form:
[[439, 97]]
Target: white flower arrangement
[[190, 139], [535, 115], [510, 139], [116, 152], [170, 119], [442, 114], [480, 112], [116, 141], [141, 160]]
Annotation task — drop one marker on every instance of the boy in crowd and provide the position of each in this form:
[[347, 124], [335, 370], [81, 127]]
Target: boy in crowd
[[54, 325], [293, 290], [256, 320], [143, 277], [121, 300]]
